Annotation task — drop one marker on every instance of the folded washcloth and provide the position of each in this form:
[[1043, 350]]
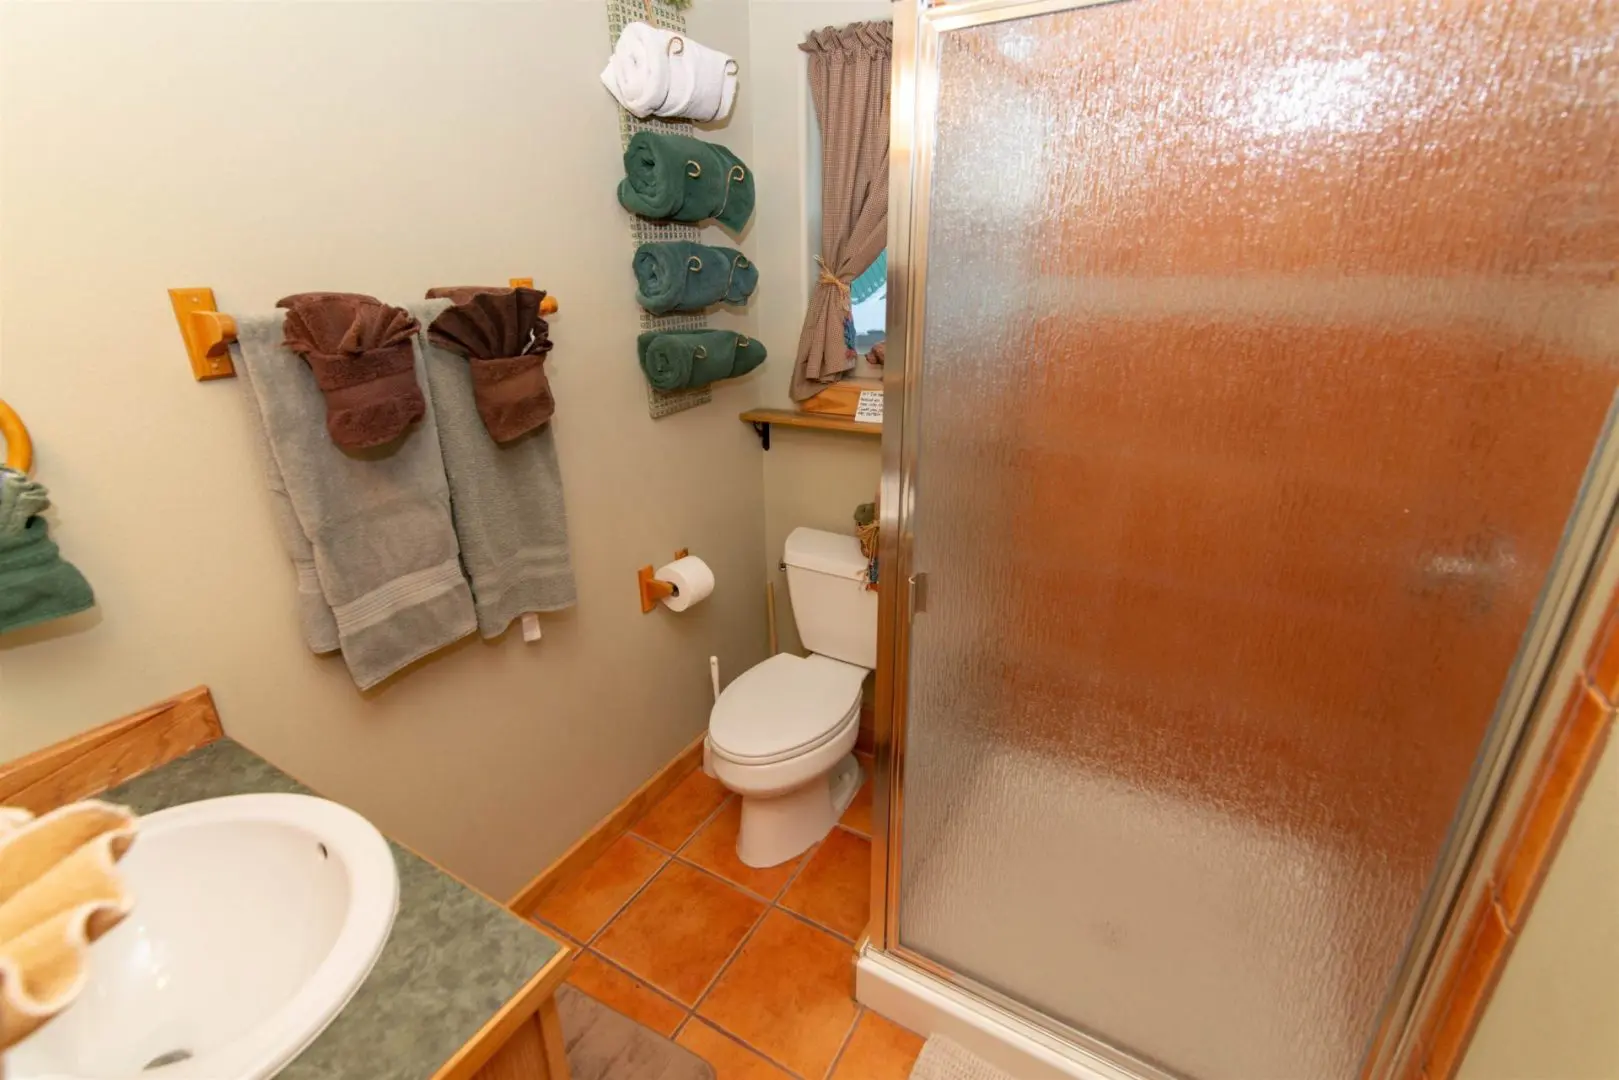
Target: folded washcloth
[[36, 583], [679, 178], [506, 497], [371, 535], [60, 890], [683, 276], [656, 72], [20, 499], [686, 359], [359, 349], [504, 340]]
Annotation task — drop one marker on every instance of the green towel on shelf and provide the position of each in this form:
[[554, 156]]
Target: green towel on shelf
[[36, 583], [683, 276], [687, 359], [679, 178]]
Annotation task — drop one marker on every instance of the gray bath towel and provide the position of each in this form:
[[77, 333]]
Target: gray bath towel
[[507, 497], [379, 574]]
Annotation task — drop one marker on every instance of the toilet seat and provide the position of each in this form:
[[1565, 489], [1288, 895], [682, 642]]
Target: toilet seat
[[784, 708]]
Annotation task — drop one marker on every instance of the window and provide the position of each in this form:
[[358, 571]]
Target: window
[[868, 300]]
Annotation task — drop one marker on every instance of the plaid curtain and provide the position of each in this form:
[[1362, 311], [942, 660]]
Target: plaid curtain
[[848, 77]]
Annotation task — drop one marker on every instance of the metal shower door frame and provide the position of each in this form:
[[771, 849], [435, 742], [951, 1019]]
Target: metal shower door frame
[[919, 26]]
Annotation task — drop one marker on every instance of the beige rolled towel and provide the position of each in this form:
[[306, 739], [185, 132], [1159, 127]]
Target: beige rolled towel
[[59, 891]]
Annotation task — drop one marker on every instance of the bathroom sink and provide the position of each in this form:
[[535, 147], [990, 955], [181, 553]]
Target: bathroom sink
[[256, 918]]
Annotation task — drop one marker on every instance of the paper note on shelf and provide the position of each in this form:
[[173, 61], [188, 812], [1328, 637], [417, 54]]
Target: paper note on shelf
[[870, 409]]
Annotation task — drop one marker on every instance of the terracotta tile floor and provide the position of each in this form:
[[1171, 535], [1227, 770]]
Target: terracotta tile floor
[[752, 970]]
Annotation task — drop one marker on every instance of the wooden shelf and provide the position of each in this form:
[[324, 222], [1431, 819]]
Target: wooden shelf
[[761, 419]]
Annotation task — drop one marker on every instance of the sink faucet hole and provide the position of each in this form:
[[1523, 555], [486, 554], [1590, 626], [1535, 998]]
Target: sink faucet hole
[[173, 1057]]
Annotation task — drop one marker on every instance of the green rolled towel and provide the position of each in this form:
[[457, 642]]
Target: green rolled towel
[[687, 359], [36, 583], [683, 276], [679, 178]]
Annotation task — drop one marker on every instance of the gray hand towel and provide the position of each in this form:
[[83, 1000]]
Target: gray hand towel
[[378, 568], [507, 497]]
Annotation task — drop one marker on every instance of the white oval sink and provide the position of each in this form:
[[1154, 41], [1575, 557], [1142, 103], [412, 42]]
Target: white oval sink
[[256, 918]]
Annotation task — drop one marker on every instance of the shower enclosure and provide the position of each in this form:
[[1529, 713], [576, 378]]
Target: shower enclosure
[[1250, 367]]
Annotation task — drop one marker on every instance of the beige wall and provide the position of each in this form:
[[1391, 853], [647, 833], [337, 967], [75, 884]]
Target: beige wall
[[1555, 1013], [264, 149], [810, 477]]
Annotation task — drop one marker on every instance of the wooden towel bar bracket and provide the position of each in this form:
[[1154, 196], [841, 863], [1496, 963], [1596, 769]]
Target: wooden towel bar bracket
[[208, 332]]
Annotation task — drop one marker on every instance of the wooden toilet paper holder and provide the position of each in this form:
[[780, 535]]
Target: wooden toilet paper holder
[[653, 590]]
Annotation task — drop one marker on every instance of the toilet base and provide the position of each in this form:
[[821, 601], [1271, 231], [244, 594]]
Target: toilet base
[[777, 828]]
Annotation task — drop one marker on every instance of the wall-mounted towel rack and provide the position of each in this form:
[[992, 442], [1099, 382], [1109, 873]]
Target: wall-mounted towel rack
[[208, 332], [19, 447]]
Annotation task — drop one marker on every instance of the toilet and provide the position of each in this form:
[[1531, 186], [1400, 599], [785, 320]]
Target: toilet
[[782, 733]]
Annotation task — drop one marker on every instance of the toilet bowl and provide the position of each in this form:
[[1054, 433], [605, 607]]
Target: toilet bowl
[[781, 734], [780, 737]]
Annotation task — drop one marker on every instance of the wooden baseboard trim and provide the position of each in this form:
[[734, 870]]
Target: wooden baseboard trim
[[90, 763], [590, 846]]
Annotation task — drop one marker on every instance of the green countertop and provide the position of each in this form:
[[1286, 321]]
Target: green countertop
[[453, 959]]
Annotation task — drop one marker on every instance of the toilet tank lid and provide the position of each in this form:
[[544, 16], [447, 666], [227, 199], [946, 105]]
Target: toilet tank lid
[[825, 553]]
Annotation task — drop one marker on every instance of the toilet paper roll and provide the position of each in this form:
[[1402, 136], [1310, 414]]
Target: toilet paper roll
[[692, 579]]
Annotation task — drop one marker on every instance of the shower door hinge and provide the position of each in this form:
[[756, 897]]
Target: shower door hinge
[[918, 593]]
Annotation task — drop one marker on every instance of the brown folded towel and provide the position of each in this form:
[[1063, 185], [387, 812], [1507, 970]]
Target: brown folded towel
[[501, 334], [359, 349], [461, 294]]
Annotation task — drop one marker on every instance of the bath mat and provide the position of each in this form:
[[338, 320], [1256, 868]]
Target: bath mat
[[605, 1045], [943, 1059]]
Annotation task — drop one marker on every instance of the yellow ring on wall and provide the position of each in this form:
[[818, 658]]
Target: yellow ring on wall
[[19, 447]]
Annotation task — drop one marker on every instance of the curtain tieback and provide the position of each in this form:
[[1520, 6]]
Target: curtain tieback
[[829, 278]]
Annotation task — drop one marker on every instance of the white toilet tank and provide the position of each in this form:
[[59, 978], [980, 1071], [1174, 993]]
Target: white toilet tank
[[835, 613]]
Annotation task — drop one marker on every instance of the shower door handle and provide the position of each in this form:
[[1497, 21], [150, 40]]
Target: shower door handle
[[918, 593]]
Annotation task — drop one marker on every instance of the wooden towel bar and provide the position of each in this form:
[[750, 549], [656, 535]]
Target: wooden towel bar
[[208, 331]]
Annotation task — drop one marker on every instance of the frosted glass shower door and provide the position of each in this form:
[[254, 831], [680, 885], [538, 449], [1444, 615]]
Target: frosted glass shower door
[[1263, 348]]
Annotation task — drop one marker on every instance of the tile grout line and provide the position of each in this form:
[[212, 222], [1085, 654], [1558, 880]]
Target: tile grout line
[[675, 854], [705, 823], [602, 929], [744, 1044], [848, 1037], [672, 858], [709, 989], [813, 925], [657, 991], [668, 857], [729, 960], [723, 880]]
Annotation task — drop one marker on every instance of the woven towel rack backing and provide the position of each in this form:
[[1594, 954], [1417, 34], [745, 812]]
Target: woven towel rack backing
[[620, 13]]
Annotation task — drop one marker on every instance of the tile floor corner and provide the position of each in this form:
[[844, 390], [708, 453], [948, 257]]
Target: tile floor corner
[[752, 970]]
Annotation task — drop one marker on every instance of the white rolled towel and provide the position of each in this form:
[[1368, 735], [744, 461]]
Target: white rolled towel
[[656, 72]]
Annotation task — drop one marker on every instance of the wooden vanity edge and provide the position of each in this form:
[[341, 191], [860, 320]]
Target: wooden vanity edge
[[93, 761], [533, 1005], [589, 847]]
